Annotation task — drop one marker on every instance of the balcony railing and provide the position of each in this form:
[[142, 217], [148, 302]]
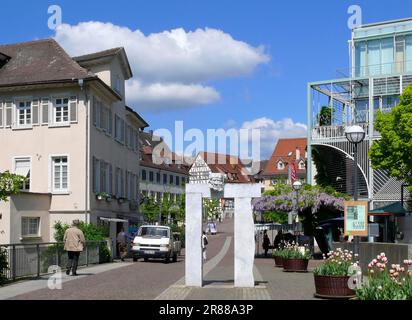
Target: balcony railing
[[376, 70], [334, 132]]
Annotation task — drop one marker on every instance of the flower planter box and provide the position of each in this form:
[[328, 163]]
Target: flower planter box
[[333, 287], [278, 261], [295, 265]]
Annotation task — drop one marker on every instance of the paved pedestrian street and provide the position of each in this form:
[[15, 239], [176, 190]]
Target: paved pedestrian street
[[157, 280]]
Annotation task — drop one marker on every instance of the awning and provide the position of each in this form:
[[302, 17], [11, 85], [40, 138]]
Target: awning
[[394, 209], [113, 219], [22, 171]]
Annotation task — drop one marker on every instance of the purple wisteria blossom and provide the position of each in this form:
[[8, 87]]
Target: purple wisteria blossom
[[308, 199]]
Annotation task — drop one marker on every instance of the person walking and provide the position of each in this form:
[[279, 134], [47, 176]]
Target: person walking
[[266, 243], [122, 244], [74, 243], [205, 242]]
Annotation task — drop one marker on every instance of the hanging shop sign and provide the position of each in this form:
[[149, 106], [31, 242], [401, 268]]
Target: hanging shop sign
[[356, 218]]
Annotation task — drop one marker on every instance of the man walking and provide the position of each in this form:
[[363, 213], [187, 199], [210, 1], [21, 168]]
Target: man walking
[[204, 245], [122, 244], [74, 243]]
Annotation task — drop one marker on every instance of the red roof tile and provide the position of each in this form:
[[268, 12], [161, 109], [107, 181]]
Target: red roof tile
[[285, 151]]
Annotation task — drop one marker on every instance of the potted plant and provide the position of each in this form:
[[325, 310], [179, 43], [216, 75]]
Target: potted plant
[[102, 195], [332, 276], [295, 258], [277, 256]]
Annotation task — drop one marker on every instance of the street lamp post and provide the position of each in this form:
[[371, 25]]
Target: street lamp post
[[355, 135], [297, 185]]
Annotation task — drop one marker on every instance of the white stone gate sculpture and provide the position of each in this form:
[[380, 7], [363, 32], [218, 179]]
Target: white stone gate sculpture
[[244, 242]]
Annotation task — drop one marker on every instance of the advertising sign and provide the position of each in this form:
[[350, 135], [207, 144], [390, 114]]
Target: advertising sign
[[356, 218]]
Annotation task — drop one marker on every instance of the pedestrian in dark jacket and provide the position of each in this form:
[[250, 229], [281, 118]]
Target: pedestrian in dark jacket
[[266, 243]]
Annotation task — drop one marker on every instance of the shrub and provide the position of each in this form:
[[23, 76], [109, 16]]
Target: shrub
[[336, 263], [3, 265], [91, 232]]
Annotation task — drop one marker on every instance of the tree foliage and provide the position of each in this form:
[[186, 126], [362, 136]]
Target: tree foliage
[[393, 152], [210, 208], [151, 208], [325, 116]]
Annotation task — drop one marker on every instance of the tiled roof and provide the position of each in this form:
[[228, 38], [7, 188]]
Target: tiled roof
[[40, 61], [147, 145], [100, 54], [232, 166], [285, 151]]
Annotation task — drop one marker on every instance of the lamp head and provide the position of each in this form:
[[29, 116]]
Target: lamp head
[[355, 134], [297, 185]]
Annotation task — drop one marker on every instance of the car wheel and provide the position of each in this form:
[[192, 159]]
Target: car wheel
[[167, 260], [175, 257], [134, 259], [146, 259]]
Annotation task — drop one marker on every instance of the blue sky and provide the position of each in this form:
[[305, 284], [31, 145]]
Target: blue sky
[[305, 41]]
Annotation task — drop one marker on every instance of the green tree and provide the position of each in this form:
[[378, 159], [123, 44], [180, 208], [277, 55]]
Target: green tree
[[211, 208], [150, 209], [325, 116], [393, 152]]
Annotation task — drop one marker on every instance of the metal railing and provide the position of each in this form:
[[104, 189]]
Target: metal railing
[[34, 259], [334, 132], [376, 70]]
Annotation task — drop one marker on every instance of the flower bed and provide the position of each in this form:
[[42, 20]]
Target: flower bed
[[278, 257], [333, 275], [295, 258], [384, 283]]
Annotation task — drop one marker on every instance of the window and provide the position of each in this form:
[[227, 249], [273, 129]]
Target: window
[[61, 111], [301, 165], [119, 129], [171, 179], [144, 175], [281, 165], [22, 168], [164, 178], [60, 173], [23, 113], [177, 181], [158, 177], [151, 176], [30, 227]]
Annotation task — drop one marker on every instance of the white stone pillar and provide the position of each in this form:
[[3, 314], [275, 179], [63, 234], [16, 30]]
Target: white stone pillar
[[193, 248], [244, 231]]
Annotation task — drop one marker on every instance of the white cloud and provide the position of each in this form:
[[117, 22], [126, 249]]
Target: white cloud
[[176, 57], [158, 96], [271, 131]]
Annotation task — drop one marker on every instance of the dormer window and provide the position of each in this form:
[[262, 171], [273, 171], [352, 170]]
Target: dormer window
[[301, 165], [281, 165]]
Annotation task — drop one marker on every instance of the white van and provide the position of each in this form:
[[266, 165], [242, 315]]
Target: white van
[[156, 242]]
